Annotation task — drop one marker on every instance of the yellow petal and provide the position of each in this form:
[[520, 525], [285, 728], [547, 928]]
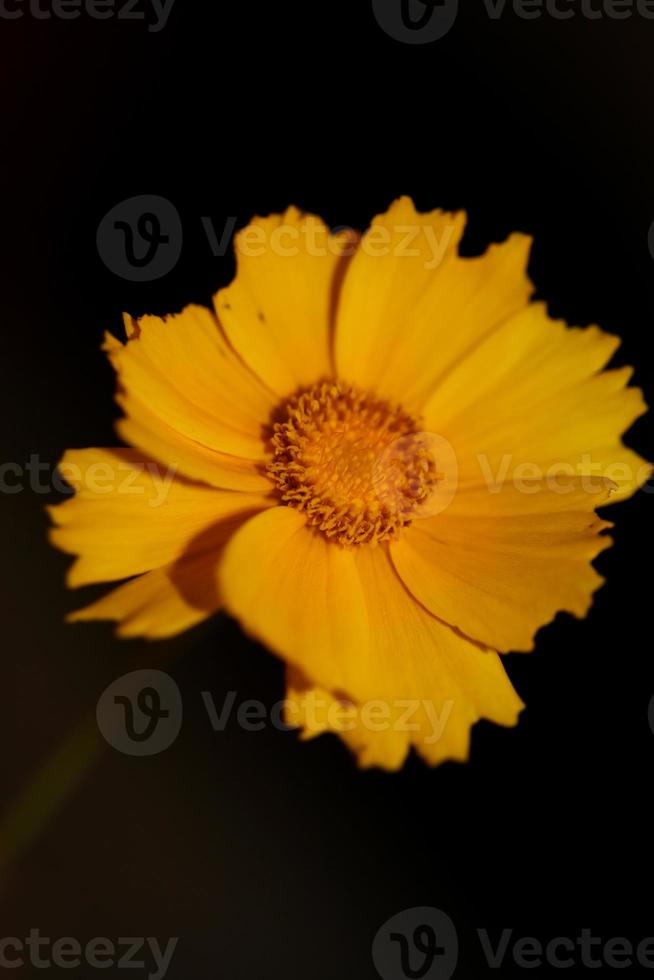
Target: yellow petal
[[158, 440], [373, 733], [130, 515], [498, 566], [410, 306], [532, 399], [161, 603], [346, 621], [182, 368], [297, 592], [277, 313]]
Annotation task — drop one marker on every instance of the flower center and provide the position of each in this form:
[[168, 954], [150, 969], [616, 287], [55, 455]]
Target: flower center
[[356, 465]]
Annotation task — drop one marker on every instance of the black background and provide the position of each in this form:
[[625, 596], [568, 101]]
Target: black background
[[269, 858]]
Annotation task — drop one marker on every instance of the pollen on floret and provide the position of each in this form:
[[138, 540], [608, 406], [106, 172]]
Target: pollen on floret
[[353, 463]]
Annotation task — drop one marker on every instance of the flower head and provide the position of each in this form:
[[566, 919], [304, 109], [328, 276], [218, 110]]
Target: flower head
[[378, 455]]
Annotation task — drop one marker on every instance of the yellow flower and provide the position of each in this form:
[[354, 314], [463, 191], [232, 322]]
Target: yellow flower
[[376, 454]]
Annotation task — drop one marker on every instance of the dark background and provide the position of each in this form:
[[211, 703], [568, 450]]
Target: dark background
[[269, 858]]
